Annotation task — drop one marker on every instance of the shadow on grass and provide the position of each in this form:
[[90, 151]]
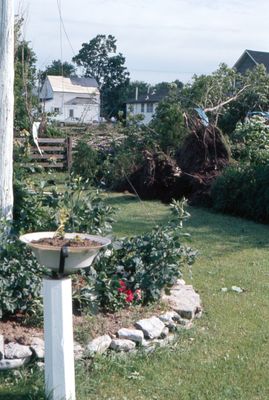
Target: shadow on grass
[[233, 232]]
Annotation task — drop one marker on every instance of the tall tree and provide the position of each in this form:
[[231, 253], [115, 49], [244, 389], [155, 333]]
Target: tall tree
[[59, 68], [100, 60], [6, 106]]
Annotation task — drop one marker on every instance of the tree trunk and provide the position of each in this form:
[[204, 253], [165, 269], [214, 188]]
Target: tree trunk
[[6, 106]]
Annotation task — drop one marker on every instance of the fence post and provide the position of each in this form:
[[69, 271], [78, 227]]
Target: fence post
[[69, 153]]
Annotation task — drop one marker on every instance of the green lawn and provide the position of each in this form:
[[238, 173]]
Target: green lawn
[[225, 355]]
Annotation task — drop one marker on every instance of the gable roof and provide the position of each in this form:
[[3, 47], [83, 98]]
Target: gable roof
[[256, 57], [153, 97], [72, 84]]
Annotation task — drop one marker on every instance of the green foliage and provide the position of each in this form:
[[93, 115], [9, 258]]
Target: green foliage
[[57, 67], [32, 211], [112, 166], [244, 191], [99, 59], [250, 141], [168, 122], [24, 83], [54, 131], [130, 90], [210, 90], [20, 276], [255, 97], [86, 211], [148, 263], [87, 162]]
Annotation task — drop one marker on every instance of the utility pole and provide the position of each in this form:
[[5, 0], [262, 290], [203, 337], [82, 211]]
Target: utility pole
[[6, 106]]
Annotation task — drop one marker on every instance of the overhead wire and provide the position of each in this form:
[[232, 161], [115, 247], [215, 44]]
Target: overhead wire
[[62, 26]]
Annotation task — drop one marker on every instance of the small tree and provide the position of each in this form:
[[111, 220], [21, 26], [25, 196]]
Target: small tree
[[168, 122]]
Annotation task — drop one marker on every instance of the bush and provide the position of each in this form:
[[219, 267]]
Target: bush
[[20, 276], [250, 141], [243, 191], [87, 162], [139, 268]]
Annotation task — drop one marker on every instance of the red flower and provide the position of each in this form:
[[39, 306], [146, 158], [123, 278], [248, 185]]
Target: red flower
[[122, 287], [138, 294], [129, 296]]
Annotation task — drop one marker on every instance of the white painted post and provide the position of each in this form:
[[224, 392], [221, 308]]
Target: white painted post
[[59, 345], [6, 106]]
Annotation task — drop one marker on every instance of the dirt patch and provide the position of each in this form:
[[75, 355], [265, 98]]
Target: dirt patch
[[60, 242], [14, 331], [85, 327]]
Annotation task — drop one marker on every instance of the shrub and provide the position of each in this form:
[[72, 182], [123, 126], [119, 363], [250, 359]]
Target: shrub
[[243, 191], [20, 276], [250, 141], [139, 268], [87, 162]]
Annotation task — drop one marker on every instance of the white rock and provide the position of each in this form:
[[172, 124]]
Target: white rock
[[40, 365], [135, 335], [78, 351], [165, 332], [16, 363], [15, 350], [184, 300], [38, 347], [170, 319], [164, 342], [122, 345], [2, 349], [152, 327], [98, 345]]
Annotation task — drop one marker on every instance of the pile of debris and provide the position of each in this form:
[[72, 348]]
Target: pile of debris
[[191, 173]]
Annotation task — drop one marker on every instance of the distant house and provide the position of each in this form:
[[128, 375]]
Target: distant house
[[71, 99], [250, 58], [145, 105]]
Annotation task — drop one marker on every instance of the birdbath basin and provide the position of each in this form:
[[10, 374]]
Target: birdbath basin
[[77, 257]]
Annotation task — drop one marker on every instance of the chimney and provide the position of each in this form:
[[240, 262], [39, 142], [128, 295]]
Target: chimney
[[136, 93]]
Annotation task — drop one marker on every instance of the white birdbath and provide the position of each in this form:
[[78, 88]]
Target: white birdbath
[[57, 294]]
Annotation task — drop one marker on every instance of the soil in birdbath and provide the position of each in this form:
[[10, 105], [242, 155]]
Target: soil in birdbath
[[60, 242]]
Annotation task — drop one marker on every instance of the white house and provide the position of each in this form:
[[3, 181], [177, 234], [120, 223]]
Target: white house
[[71, 99], [145, 105]]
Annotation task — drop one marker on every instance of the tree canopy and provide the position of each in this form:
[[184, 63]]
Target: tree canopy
[[59, 68], [100, 60]]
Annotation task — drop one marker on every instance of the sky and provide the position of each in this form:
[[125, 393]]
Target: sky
[[162, 40]]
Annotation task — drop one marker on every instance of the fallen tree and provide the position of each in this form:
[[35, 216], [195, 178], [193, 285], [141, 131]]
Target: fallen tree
[[199, 161]]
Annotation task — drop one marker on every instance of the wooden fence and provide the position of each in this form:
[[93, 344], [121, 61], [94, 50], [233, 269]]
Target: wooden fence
[[55, 153]]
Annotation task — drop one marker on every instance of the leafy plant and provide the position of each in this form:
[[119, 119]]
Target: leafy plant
[[146, 263], [20, 276], [243, 190], [251, 141]]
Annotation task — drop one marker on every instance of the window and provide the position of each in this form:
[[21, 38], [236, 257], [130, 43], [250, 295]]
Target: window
[[142, 107], [56, 110], [71, 113], [149, 107]]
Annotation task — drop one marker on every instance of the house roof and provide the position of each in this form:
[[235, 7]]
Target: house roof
[[153, 97], [72, 84], [257, 57], [80, 101]]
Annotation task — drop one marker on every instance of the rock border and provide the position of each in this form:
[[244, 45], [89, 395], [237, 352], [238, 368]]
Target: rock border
[[149, 333]]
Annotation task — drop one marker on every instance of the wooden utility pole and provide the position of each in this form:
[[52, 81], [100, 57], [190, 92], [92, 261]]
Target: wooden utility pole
[[6, 106]]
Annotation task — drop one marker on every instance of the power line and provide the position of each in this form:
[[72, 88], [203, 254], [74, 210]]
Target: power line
[[63, 26]]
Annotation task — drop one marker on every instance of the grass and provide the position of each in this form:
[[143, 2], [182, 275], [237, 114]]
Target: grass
[[225, 355]]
